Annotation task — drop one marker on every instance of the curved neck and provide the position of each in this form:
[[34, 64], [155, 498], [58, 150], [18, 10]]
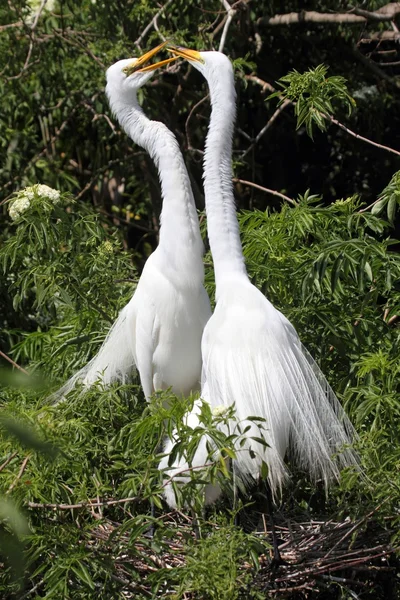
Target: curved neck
[[222, 223], [179, 235]]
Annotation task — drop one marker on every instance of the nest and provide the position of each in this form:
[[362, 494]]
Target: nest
[[318, 555], [319, 559]]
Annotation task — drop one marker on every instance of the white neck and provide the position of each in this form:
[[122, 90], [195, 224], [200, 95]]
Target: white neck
[[179, 236], [223, 227]]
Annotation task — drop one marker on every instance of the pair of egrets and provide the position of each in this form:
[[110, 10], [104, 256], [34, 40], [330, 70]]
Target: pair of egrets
[[246, 353]]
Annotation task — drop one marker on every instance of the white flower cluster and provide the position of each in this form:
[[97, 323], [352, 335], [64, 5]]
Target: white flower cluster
[[44, 191], [25, 196], [219, 411], [19, 206]]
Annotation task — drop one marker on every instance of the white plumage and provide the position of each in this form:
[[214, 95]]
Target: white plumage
[[159, 331], [252, 355]]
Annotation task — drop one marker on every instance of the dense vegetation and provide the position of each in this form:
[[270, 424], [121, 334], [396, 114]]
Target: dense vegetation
[[320, 238]]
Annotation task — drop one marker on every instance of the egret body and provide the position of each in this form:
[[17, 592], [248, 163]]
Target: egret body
[[159, 331], [252, 355]]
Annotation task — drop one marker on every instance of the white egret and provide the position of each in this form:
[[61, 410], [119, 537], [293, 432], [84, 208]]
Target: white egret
[[159, 331], [252, 355]]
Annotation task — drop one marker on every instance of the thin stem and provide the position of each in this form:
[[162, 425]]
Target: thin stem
[[266, 190], [14, 364]]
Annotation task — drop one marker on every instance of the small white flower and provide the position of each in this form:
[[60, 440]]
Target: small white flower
[[19, 206], [29, 193], [220, 410], [44, 191]]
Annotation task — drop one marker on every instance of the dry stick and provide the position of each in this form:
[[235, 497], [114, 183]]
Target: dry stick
[[32, 35], [87, 504], [90, 503], [10, 25], [21, 472], [356, 526], [266, 190], [6, 462], [150, 25], [14, 364]]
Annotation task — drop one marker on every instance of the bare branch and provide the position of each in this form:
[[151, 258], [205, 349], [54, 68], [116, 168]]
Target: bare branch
[[266, 190], [14, 364], [37, 16], [266, 127], [11, 25], [354, 17], [265, 85], [151, 24], [311, 16], [87, 504], [360, 137], [231, 12], [7, 461], [20, 473]]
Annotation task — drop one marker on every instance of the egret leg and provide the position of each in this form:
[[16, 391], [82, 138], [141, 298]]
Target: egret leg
[[277, 559], [150, 532]]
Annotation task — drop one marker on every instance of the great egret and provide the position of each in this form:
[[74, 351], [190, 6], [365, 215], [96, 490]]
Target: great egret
[[160, 329], [252, 355]]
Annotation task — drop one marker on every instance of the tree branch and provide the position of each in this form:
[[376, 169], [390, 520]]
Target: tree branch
[[14, 364], [20, 473], [151, 24], [354, 17], [266, 190]]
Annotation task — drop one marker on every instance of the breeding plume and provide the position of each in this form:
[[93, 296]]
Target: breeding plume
[[159, 331], [252, 355]]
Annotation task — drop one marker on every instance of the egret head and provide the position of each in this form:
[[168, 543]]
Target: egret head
[[209, 63], [130, 74]]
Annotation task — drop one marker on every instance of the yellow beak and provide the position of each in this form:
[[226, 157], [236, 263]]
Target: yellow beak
[[185, 53], [138, 65]]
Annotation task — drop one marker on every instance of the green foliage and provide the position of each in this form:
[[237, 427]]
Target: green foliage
[[331, 270], [214, 566], [389, 199], [313, 95], [81, 520]]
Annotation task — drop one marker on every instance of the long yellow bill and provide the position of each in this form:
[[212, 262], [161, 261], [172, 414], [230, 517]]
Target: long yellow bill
[[139, 64], [185, 53]]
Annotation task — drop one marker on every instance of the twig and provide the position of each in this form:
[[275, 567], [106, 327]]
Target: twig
[[37, 16], [6, 462], [231, 12], [356, 526], [14, 364], [362, 210], [358, 136], [266, 127], [192, 111], [131, 585], [266, 190], [267, 86], [33, 589], [11, 25], [100, 116], [21, 472], [86, 504], [151, 24]]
